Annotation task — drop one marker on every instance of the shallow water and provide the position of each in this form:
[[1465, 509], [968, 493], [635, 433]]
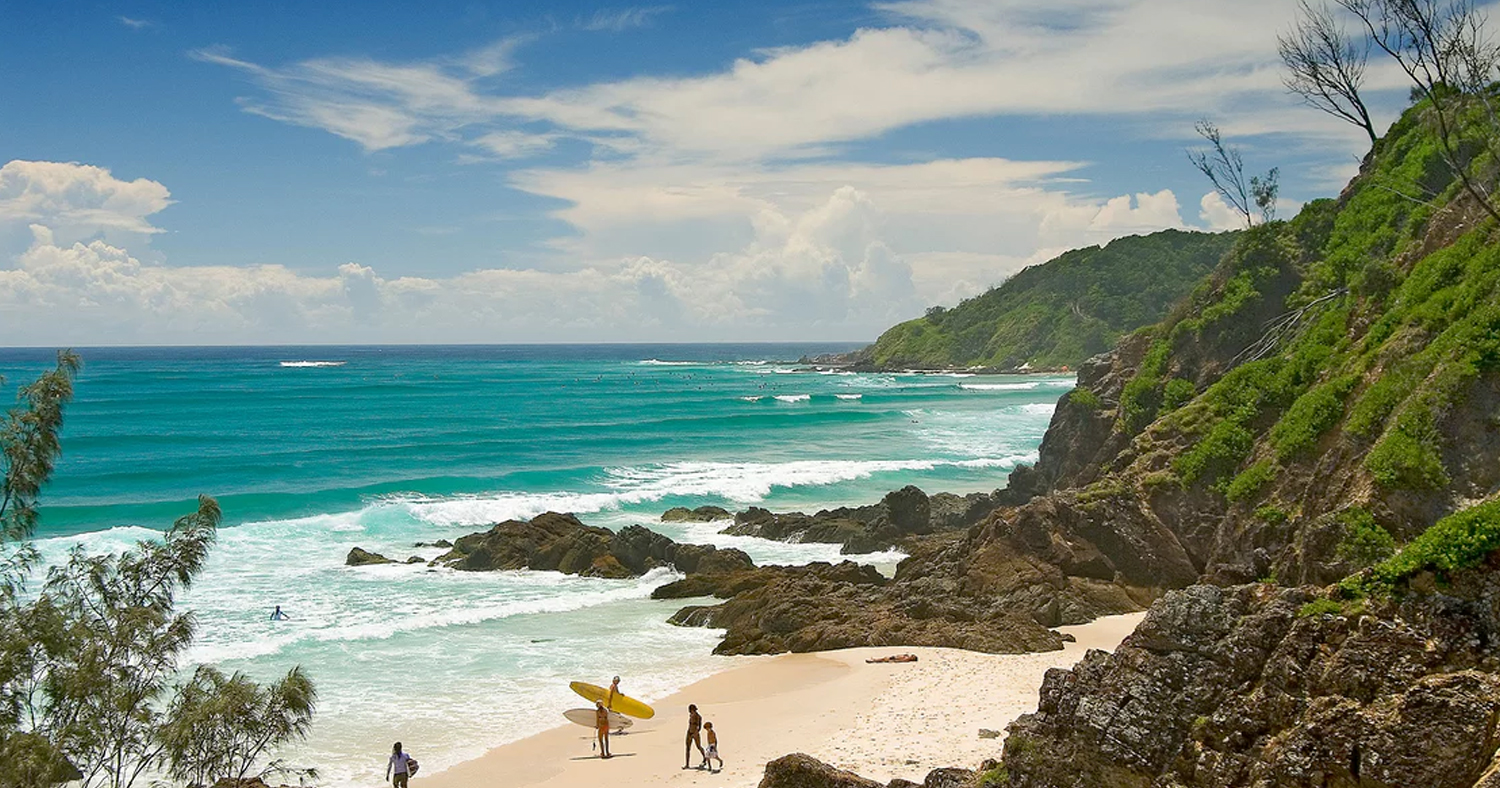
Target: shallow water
[[312, 451]]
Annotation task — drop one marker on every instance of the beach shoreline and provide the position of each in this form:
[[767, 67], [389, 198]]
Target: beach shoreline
[[883, 721]]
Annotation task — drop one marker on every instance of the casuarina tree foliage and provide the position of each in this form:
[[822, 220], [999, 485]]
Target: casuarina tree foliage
[[88, 660]]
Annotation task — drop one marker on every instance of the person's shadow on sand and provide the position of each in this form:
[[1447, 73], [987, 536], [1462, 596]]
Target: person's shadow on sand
[[611, 757]]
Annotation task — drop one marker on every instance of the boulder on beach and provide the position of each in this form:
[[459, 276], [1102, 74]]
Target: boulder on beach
[[804, 771], [360, 557]]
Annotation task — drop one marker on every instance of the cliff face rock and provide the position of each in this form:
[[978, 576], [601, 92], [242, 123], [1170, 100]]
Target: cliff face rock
[[560, 543], [1244, 686]]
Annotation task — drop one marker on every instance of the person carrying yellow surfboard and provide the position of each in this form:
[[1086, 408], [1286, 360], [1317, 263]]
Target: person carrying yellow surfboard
[[614, 689]]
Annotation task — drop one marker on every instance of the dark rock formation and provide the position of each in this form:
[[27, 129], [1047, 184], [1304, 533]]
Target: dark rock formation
[[902, 514], [361, 557], [443, 543], [560, 543], [702, 514], [828, 606], [1243, 686], [802, 771]]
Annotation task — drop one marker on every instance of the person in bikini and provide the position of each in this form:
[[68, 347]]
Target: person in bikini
[[713, 748], [695, 723], [601, 725]]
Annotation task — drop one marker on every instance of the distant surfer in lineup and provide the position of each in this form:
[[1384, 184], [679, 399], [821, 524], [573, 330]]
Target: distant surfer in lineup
[[695, 724], [601, 725], [277, 615]]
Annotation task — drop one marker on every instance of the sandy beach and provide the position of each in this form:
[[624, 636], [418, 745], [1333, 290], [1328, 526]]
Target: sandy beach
[[881, 720]]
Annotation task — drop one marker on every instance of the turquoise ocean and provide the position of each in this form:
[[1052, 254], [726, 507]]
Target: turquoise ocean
[[312, 451]]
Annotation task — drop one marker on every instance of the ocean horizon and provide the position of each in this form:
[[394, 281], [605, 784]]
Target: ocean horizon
[[313, 450]]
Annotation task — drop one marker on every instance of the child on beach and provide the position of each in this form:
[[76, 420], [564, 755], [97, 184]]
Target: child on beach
[[713, 748], [601, 724]]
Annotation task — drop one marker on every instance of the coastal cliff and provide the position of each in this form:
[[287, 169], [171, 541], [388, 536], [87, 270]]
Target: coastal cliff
[[1297, 471]]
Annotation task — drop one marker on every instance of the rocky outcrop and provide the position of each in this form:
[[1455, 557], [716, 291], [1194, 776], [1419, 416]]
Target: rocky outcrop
[[804, 771], [1252, 686], [702, 514], [561, 543], [824, 606], [361, 557], [902, 514]]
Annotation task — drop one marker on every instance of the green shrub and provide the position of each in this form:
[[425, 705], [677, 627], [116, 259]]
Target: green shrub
[[1313, 414], [1176, 393], [1084, 398], [1218, 453], [1274, 515], [1321, 607], [1141, 398], [1461, 540], [1408, 457], [1249, 483], [1365, 542]]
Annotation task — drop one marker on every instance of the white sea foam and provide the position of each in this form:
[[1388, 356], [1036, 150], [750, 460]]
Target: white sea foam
[[656, 362], [379, 626], [848, 396], [1039, 409], [738, 482], [313, 363], [1000, 386], [793, 397], [753, 398]]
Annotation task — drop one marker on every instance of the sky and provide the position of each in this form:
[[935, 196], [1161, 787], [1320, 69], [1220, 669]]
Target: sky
[[496, 172]]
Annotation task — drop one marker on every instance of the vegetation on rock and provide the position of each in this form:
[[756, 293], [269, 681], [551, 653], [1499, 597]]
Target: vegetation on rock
[[1061, 312]]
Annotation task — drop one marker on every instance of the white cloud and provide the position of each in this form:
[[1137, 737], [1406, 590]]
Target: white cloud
[[78, 200], [1218, 215], [622, 19], [134, 24], [932, 60]]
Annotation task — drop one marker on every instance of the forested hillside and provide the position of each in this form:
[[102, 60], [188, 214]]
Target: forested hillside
[[1061, 312]]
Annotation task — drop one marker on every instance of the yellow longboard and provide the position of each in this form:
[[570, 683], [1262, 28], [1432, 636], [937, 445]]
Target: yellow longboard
[[623, 704]]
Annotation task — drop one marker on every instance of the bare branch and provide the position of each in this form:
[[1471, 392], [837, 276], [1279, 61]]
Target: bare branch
[[1326, 67]]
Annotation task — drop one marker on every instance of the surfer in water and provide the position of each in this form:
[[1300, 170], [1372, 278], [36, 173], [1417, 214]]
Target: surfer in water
[[601, 725], [695, 723], [277, 615]]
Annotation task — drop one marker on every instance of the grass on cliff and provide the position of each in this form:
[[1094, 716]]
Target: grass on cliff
[[1385, 338], [1462, 540], [1060, 312]]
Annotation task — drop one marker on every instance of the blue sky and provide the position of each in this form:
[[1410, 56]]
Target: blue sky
[[520, 172]]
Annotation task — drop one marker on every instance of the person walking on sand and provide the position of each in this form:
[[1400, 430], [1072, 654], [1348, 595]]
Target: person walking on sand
[[695, 723], [398, 769], [713, 748], [601, 726]]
